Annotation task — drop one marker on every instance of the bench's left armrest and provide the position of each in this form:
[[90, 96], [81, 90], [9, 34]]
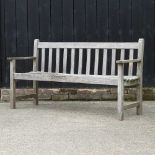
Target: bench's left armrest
[[20, 58], [128, 61]]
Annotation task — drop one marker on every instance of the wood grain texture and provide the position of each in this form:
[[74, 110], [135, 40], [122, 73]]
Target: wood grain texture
[[43, 60], [72, 61], [65, 60], [57, 60], [80, 61], [120, 92], [104, 67], [131, 57], [12, 85], [140, 74], [89, 45], [50, 57], [88, 61]]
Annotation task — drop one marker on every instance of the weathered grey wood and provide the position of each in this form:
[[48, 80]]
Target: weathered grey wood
[[128, 61], [104, 67], [130, 71], [65, 60], [12, 85], [36, 55], [140, 74], [50, 60], [113, 61], [131, 105], [89, 45], [35, 88], [122, 54], [120, 92], [35, 69], [20, 58], [88, 62], [80, 61], [43, 60], [75, 78], [121, 81], [96, 62], [72, 61], [57, 59]]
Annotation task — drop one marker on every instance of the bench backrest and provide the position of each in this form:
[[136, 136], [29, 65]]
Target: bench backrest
[[86, 58]]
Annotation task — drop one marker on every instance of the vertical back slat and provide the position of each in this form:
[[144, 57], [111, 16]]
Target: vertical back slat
[[131, 54], [57, 59], [72, 61], [43, 60], [35, 54], [65, 60], [50, 60], [80, 61], [122, 54], [104, 67], [113, 63], [88, 62], [96, 62]]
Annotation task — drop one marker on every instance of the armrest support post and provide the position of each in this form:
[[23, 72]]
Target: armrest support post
[[12, 67]]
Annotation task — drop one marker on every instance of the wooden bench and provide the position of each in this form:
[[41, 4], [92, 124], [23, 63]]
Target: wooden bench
[[111, 57]]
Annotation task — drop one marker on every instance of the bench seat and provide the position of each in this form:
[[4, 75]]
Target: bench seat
[[76, 78]]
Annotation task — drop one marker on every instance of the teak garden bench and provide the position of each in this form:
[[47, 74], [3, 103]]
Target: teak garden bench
[[127, 57]]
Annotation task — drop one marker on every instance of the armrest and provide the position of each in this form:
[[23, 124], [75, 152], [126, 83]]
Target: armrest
[[20, 58], [128, 61]]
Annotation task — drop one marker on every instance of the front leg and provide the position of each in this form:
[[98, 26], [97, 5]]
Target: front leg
[[12, 85], [120, 93]]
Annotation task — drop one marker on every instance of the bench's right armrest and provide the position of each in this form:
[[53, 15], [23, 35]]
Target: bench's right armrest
[[128, 61]]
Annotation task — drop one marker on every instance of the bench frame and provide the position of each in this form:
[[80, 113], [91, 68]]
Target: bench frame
[[120, 64]]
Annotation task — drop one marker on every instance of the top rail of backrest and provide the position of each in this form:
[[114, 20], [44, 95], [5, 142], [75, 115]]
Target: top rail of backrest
[[89, 45]]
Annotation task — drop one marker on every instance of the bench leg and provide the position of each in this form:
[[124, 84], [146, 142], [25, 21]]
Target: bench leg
[[120, 92], [35, 87], [139, 109], [120, 101], [12, 93], [12, 85]]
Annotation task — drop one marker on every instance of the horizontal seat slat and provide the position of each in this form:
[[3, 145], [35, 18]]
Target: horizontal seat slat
[[75, 78], [88, 45]]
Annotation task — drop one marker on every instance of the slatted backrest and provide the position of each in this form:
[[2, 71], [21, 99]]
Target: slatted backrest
[[102, 56]]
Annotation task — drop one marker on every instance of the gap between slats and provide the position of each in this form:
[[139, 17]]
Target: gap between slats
[[96, 62], [113, 63]]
